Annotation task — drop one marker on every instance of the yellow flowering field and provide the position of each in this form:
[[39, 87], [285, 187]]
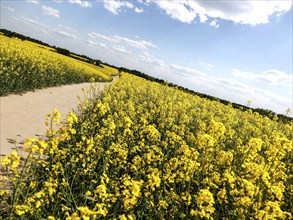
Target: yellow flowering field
[[141, 150], [109, 70], [25, 66]]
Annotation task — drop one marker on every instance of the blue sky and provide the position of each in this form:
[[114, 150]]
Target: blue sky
[[234, 50]]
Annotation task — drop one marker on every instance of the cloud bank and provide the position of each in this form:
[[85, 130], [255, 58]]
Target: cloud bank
[[82, 3], [115, 6], [273, 77], [249, 12], [139, 44]]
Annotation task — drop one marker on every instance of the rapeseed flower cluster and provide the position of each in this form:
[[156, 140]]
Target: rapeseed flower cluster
[[147, 151]]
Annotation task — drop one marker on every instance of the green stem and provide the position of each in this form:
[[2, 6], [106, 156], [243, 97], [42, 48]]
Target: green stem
[[17, 185]]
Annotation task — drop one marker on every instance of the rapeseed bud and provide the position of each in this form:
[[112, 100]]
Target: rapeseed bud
[[130, 192], [22, 209], [154, 180], [205, 202]]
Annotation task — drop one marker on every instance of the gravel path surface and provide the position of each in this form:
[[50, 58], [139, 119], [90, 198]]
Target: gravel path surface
[[23, 116]]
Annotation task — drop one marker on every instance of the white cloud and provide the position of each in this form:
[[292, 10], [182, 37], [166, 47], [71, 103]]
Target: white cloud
[[30, 22], [102, 45], [67, 28], [207, 66], [120, 48], [274, 77], [97, 45], [38, 26], [185, 70], [66, 34], [33, 1], [50, 11], [94, 35], [145, 2], [268, 100], [214, 23], [82, 3], [238, 92], [115, 6], [146, 58], [177, 10], [140, 44], [231, 84], [91, 42], [138, 10], [8, 8], [241, 12]]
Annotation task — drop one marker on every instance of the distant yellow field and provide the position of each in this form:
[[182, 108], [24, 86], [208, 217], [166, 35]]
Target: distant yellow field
[[40, 46], [79, 57], [109, 69], [26, 66]]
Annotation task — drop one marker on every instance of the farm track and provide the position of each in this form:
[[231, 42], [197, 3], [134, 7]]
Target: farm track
[[23, 116]]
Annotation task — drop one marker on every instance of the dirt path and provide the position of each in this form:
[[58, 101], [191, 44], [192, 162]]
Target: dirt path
[[23, 116]]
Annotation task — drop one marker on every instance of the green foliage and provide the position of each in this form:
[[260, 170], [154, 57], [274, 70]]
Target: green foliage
[[62, 51]]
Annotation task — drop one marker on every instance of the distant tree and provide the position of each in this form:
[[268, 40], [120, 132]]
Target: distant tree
[[248, 103], [98, 63], [288, 111], [62, 51], [265, 112]]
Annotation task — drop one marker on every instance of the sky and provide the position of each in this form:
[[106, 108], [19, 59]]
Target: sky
[[237, 50]]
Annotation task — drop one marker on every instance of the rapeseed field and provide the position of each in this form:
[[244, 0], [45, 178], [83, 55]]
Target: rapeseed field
[[141, 150], [26, 66]]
